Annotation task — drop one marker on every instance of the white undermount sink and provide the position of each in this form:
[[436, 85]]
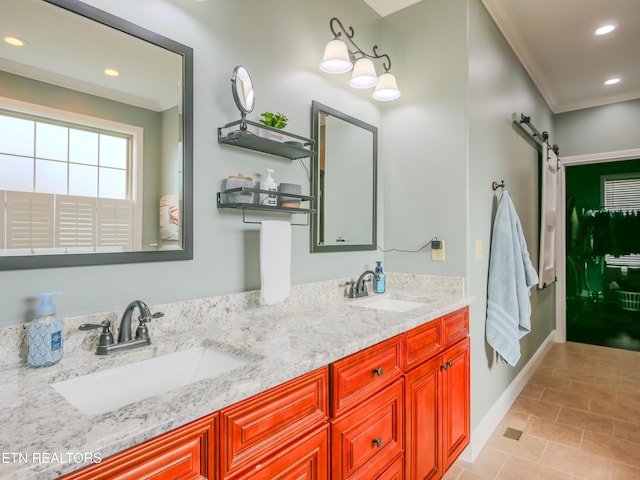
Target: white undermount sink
[[391, 304], [103, 391]]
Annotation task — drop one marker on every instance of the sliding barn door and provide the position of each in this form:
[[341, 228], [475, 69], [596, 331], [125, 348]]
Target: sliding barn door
[[549, 217]]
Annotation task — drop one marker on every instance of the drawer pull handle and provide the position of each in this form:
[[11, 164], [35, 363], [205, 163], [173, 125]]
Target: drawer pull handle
[[378, 371], [450, 363], [378, 442]]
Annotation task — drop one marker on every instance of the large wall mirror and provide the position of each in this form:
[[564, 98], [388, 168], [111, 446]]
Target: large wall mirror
[[95, 139], [344, 182]]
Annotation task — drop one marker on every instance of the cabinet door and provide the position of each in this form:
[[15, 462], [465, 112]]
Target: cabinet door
[[187, 453], [259, 426], [358, 376], [423, 421], [306, 459], [456, 403], [366, 439]]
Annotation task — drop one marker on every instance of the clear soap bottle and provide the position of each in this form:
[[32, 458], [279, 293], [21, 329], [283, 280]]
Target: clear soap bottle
[[44, 341]]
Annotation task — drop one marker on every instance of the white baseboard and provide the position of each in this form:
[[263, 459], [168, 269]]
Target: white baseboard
[[480, 435]]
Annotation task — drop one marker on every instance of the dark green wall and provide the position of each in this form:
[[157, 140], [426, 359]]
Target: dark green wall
[[583, 181]]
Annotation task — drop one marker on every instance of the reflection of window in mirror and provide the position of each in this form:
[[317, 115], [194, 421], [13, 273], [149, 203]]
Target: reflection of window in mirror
[[67, 182]]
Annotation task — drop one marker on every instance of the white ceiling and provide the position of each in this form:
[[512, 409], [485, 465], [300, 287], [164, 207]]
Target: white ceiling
[[554, 41], [71, 51]]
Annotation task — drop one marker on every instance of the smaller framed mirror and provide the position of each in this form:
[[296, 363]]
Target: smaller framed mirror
[[344, 179], [242, 89]]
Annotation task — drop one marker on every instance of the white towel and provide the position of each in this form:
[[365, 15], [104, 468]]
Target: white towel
[[275, 261], [511, 275]]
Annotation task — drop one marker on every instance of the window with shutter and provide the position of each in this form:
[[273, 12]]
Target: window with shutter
[[621, 193], [67, 185]]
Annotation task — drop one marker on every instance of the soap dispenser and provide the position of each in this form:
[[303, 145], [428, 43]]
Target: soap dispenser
[[270, 185], [44, 341], [380, 284]]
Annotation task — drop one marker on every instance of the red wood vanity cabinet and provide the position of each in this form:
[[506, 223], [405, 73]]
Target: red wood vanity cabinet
[[396, 410], [188, 452], [437, 395]]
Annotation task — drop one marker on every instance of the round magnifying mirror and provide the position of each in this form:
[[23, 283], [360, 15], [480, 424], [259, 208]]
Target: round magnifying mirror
[[242, 88]]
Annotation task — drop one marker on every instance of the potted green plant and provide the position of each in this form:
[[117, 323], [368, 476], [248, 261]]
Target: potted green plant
[[274, 120]]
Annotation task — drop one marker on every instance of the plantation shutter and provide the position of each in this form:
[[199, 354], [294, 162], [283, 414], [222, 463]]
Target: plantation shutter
[[76, 221], [115, 222], [29, 221]]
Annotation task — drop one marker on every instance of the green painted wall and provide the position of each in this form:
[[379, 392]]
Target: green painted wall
[[583, 181], [281, 44], [608, 128], [441, 145], [499, 88]]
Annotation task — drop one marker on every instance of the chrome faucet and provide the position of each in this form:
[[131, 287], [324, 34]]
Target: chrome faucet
[[106, 344], [359, 289]]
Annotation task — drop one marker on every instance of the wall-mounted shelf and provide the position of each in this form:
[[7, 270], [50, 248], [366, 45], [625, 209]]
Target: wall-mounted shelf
[[222, 203], [293, 146]]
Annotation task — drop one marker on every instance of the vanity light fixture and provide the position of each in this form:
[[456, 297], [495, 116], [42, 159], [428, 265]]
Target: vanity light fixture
[[110, 72], [13, 41], [341, 58]]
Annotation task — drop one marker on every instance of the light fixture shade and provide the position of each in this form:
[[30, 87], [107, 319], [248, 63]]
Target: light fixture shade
[[336, 58], [387, 88], [364, 74]]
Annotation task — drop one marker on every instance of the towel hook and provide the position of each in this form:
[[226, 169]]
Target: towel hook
[[495, 185]]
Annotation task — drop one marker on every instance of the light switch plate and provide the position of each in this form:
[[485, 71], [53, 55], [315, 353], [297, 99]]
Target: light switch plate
[[437, 255], [479, 250]]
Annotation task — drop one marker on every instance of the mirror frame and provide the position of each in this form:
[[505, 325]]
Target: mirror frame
[[240, 103], [21, 262], [316, 109]]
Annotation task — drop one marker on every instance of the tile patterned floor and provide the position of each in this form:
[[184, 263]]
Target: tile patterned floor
[[580, 418]]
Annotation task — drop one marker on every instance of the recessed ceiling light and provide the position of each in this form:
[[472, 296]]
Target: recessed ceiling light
[[603, 30], [612, 81], [111, 72], [13, 41]]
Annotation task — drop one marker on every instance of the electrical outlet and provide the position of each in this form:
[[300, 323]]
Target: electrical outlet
[[437, 254], [479, 251]]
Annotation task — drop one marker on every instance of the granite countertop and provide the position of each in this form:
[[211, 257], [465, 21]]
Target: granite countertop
[[40, 427]]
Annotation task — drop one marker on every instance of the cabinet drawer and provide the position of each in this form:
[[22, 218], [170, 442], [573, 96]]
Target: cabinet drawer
[[423, 342], [357, 376], [365, 440], [306, 459], [394, 472], [186, 452], [269, 421], [455, 326]]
